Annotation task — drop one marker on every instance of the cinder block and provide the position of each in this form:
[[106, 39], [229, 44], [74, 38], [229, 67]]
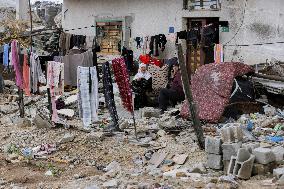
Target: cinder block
[[214, 161], [232, 133], [278, 172], [260, 169], [250, 146], [263, 155], [226, 166], [213, 145], [278, 152], [230, 149], [241, 165], [227, 135]]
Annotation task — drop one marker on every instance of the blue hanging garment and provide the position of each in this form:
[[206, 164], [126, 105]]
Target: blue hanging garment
[[6, 55]]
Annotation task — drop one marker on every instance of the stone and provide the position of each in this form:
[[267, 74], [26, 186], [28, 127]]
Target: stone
[[158, 158], [112, 166], [241, 165], [111, 184], [278, 172], [180, 173], [278, 152], [213, 145], [41, 123], [161, 133], [198, 183], [214, 161], [250, 146], [96, 136], [71, 100], [68, 137], [149, 112], [281, 181], [66, 112], [180, 158], [229, 179], [211, 186], [9, 83], [230, 149], [23, 122], [260, 169], [263, 155], [198, 168], [123, 124]]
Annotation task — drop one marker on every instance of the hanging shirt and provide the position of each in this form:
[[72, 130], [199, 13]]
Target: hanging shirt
[[6, 55], [16, 63]]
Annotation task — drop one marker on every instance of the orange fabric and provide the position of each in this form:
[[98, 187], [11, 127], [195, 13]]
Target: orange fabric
[[26, 76]]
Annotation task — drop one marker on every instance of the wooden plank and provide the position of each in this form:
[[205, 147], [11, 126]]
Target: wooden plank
[[186, 84]]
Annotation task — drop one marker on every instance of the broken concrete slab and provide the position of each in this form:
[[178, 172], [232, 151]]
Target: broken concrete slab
[[158, 158], [96, 136], [66, 112], [230, 149], [180, 158], [213, 145], [68, 137], [250, 146], [214, 161], [263, 155], [278, 172], [23, 122], [278, 152], [149, 112], [111, 184], [260, 169], [41, 123]]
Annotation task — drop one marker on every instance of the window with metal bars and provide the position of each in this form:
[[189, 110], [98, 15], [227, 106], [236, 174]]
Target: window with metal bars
[[201, 4]]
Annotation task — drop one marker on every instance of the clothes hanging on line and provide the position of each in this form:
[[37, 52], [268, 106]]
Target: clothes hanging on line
[[108, 93], [159, 77], [55, 82], [147, 59], [157, 41], [36, 73], [16, 63], [192, 35], [122, 79], [218, 53], [138, 40], [88, 97], [26, 76], [71, 63], [6, 55], [128, 58]]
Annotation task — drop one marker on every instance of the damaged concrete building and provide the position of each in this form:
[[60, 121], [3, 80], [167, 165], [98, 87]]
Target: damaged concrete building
[[251, 30]]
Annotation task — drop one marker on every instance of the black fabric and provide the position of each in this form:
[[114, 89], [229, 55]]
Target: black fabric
[[77, 40], [194, 36], [168, 96], [157, 41], [245, 93], [108, 93], [95, 62], [138, 42], [140, 89], [128, 58]]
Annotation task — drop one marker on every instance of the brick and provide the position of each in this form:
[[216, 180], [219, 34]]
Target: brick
[[263, 155], [214, 161], [260, 169], [213, 145], [278, 172], [242, 164], [227, 135], [250, 146], [278, 152], [232, 133], [230, 149]]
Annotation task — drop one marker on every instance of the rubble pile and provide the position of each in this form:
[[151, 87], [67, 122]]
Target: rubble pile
[[164, 155]]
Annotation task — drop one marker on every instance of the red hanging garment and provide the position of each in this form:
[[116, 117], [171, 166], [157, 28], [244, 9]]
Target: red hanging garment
[[122, 80]]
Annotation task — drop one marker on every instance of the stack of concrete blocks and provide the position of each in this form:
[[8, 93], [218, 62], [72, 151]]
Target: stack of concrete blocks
[[267, 159], [214, 152], [232, 137], [242, 164]]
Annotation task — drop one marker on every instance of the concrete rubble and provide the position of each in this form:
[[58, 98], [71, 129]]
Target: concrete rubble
[[166, 154]]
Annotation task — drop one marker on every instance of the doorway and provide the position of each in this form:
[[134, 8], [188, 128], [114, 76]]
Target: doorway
[[200, 51]]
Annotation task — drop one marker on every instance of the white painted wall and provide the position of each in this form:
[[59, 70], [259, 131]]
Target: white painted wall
[[22, 10], [262, 22]]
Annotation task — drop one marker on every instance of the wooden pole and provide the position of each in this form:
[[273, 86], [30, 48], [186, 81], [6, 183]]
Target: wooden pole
[[186, 84], [31, 24]]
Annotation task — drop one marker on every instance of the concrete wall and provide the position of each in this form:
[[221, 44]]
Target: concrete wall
[[256, 21]]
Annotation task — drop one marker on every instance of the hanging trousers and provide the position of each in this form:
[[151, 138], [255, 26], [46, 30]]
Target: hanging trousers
[[88, 99]]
